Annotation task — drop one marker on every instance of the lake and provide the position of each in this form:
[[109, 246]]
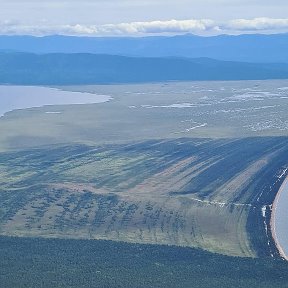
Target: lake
[[280, 217], [22, 97]]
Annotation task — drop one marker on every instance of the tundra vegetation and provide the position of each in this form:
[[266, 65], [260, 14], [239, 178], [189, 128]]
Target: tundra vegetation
[[194, 164]]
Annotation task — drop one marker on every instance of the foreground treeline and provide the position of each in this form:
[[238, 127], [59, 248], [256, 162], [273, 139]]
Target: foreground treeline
[[87, 263]]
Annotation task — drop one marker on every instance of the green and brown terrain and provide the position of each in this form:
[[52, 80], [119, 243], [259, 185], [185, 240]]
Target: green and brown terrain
[[154, 111], [187, 164], [189, 192]]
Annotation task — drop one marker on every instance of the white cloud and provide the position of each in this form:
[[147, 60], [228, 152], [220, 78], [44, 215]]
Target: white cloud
[[257, 24], [153, 27], [173, 26], [200, 26]]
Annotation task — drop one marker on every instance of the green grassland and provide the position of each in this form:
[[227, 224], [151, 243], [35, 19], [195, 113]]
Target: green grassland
[[82, 263], [187, 192], [194, 164]]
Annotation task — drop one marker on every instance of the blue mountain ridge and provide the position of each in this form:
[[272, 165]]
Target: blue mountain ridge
[[255, 48]]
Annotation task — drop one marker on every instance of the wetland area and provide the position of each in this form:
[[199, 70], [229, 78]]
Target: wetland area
[[177, 178], [191, 133], [144, 111]]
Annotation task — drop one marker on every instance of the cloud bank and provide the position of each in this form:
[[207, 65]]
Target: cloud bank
[[196, 26], [257, 24]]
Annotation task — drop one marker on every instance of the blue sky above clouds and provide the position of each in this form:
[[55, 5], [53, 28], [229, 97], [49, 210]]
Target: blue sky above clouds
[[142, 17]]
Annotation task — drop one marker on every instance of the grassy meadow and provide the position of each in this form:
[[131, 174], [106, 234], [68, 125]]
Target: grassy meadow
[[186, 192], [193, 164]]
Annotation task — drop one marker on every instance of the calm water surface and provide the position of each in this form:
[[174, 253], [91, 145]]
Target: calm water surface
[[280, 218], [21, 97]]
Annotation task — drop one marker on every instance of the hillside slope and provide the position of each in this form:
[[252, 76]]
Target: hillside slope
[[32, 69], [189, 192], [247, 48]]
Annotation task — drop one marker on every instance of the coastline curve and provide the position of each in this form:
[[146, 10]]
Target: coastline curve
[[279, 233]]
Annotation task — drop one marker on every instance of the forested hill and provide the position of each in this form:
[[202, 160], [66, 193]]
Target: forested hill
[[33, 69], [244, 48]]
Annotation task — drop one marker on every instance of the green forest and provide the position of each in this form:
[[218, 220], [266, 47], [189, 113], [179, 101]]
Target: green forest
[[33, 262]]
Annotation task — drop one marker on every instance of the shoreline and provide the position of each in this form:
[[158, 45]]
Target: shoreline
[[273, 220], [50, 96]]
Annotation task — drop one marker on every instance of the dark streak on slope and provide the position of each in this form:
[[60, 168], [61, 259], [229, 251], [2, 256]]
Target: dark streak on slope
[[154, 192]]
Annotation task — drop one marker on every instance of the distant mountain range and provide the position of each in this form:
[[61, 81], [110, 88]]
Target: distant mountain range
[[60, 68], [243, 48]]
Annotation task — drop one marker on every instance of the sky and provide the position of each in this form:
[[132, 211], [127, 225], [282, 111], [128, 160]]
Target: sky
[[142, 17]]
